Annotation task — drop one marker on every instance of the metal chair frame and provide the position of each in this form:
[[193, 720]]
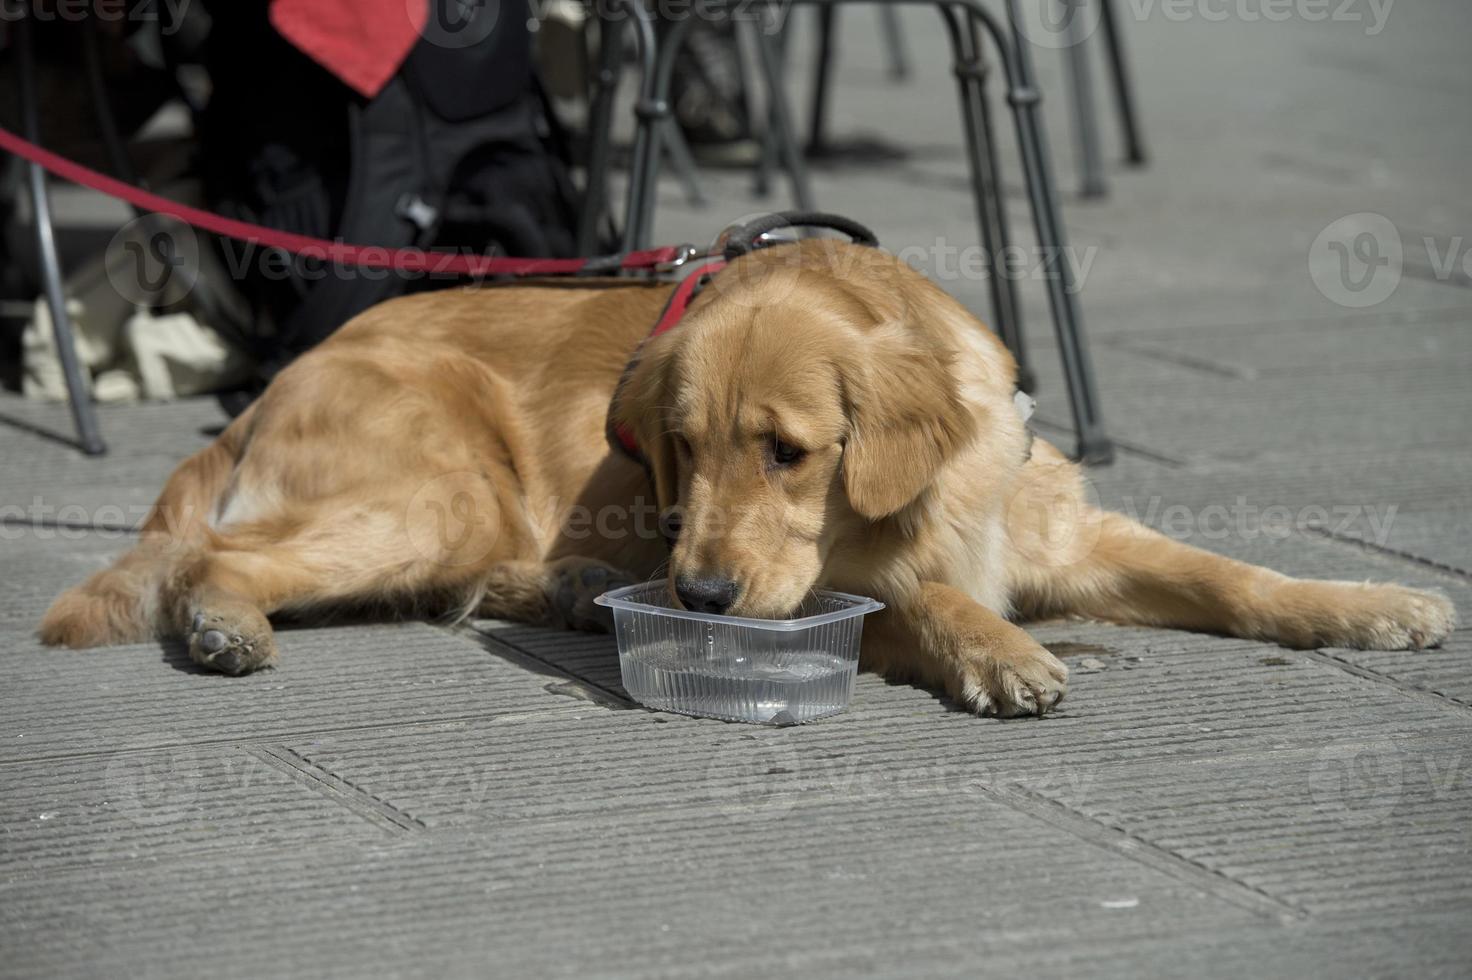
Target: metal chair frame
[[84, 416], [969, 22]]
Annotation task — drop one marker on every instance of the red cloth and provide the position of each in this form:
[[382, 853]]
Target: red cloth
[[362, 42]]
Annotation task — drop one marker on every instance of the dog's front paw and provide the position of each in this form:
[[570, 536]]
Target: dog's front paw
[[1023, 679], [576, 582], [1370, 617]]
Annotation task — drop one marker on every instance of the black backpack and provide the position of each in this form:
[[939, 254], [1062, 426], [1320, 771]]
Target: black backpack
[[459, 151]]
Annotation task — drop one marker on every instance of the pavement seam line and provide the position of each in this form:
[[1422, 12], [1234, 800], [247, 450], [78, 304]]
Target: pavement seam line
[[1201, 365], [1450, 571], [1116, 840], [398, 727], [339, 790], [1386, 680]]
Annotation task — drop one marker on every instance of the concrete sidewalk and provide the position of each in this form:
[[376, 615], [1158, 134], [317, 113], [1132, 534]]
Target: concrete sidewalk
[[413, 800]]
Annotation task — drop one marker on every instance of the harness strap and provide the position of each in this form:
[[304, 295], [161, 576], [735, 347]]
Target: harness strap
[[620, 436]]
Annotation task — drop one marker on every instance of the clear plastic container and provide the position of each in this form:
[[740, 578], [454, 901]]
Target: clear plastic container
[[765, 671]]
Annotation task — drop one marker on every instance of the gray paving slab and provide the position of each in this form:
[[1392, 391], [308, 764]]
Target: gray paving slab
[[1361, 823], [38, 562], [32, 432], [1197, 414], [46, 484], [68, 703], [671, 895], [1408, 503], [1442, 671]]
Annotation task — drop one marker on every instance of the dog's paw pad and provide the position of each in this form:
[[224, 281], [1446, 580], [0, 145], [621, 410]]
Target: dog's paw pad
[[230, 646]]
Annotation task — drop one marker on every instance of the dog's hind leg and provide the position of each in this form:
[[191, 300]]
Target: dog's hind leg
[[1116, 569], [345, 551], [124, 603]]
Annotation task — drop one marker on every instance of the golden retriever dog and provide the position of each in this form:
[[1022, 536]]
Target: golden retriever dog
[[824, 416]]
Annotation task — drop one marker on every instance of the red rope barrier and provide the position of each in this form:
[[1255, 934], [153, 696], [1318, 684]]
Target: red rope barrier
[[341, 253]]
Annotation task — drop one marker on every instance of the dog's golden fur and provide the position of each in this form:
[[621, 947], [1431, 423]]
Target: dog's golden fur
[[444, 454]]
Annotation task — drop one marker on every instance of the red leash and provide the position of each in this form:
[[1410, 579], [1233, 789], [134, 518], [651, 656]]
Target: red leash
[[363, 256]]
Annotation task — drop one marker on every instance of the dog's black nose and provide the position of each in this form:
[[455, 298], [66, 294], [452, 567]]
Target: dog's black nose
[[707, 595]]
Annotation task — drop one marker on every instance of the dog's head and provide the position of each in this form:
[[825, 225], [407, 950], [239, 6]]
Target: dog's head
[[808, 395]]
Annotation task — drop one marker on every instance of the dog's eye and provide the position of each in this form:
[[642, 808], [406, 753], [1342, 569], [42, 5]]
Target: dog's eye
[[786, 454]]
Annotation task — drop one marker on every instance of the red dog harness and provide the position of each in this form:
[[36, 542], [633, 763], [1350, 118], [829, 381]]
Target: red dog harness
[[619, 434]]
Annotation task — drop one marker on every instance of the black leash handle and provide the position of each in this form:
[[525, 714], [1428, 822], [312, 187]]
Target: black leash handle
[[741, 239]]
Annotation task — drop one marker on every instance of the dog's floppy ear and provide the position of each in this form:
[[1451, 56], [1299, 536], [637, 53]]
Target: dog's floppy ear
[[906, 418]]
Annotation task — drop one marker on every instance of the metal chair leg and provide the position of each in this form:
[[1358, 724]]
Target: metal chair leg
[[768, 155], [650, 112], [600, 132], [1023, 95], [893, 35], [1124, 91], [672, 143], [986, 186], [1093, 445], [780, 129], [822, 78], [1085, 121], [83, 415], [766, 161]]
